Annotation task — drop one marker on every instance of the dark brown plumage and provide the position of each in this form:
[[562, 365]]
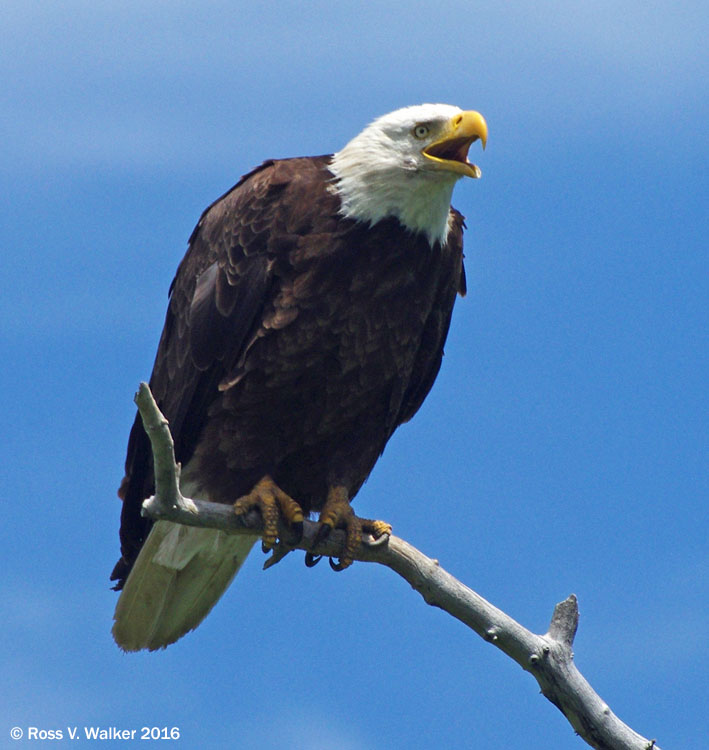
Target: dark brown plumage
[[295, 342]]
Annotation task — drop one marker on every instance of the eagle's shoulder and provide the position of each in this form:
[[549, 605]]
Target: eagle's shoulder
[[276, 219], [273, 190], [454, 246]]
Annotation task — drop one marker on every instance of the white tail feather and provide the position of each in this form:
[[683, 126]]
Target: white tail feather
[[179, 575]]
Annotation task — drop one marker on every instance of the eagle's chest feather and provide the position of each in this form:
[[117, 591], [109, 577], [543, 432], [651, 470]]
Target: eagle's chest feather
[[319, 388], [347, 328]]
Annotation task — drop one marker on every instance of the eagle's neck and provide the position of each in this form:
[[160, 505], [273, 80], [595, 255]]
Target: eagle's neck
[[371, 190]]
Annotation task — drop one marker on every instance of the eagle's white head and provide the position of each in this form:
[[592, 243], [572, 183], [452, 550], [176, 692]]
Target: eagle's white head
[[405, 164]]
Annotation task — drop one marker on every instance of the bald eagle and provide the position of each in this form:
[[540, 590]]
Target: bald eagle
[[306, 322]]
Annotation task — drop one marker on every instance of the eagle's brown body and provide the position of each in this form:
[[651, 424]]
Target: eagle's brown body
[[295, 342]]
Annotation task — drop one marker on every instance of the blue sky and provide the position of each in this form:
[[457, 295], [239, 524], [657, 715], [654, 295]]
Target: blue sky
[[563, 448]]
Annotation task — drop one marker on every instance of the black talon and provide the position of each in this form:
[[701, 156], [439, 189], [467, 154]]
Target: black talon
[[322, 535], [338, 567], [312, 560], [296, 533], [375, 541], [265, 548]]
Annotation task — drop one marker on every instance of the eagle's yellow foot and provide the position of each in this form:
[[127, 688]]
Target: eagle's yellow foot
[[272, 502], [337, 513]]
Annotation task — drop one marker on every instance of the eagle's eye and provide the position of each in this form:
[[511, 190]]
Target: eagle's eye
[[421, 131]]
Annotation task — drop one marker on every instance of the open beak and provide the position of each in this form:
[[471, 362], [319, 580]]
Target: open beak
[[450, 151]]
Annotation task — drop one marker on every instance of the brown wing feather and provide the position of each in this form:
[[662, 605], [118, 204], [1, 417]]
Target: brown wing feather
[[216, 300]]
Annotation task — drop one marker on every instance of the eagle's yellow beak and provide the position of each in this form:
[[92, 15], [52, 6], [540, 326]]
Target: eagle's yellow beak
[[450, 151]]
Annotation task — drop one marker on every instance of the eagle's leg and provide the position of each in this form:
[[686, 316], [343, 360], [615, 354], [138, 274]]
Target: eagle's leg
[[337, 513], [272, 502]]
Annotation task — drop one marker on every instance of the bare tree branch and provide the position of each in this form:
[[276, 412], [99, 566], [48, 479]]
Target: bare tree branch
[[547, 657]]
